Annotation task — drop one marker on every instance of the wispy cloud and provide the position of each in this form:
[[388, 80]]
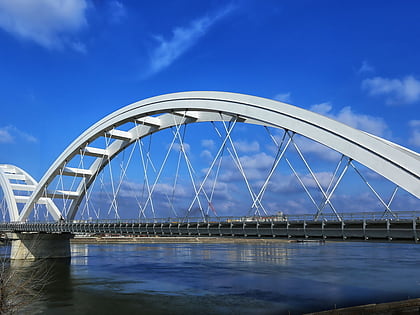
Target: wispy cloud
[[322, 108], [284, 97], [415, 133], [371, 124], [183, 38], [49, 23], [246, 146], [366, 67], [208, 143], [322, 152], [117, 11], [396, 91], [177, 147], [10, 134], [6, 136]]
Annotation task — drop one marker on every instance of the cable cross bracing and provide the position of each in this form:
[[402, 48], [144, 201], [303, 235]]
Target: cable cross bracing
[[399, 165]]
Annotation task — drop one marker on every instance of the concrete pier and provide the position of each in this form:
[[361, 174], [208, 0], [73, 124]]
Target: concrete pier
[[31, 246]]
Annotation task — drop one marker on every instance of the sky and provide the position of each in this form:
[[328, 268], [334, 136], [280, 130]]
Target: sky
[[65, 64]]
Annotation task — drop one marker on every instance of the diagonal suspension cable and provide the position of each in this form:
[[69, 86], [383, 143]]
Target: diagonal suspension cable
[[279, 155], [123, 171], [145, 166], [88, 193], [190, 168], [291, 166], [211, 166], [161, 169], [315, 179], [113, 204], [387, 209], [238, 164], [324, 203], [302, 183], [335, 173]]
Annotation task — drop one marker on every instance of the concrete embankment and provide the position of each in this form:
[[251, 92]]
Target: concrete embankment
[[407, 307]]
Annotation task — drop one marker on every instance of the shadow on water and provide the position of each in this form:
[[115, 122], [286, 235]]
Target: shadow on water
[[24, 282]]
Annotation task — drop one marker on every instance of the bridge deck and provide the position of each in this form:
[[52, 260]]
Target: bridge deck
[[390, 230]]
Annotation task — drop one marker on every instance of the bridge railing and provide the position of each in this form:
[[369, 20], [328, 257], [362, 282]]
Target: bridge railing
[[354, 216], [350, 216], [330, 217]]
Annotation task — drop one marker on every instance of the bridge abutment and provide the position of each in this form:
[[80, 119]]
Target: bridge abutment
[[31, 246]]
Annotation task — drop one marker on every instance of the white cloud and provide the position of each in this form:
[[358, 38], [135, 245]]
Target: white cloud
[[415, 133], [78, 46], [290, 184], [10, 134], [48, 23], [206, 154], [6, 136], [371, 124], [177, 147], [245, 146], [283, 97], [322, 108], [323, 178], [117, 11], [183, 38], [257, 161], [135, 190], [256, 167], [366, 67], [396, 91], [208, 143], [321, 151]]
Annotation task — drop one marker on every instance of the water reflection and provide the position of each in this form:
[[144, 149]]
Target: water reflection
[[30, 285], [273, 278], [80, 254]]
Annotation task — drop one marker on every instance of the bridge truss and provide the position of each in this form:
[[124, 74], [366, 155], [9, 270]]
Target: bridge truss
[[187, 154]]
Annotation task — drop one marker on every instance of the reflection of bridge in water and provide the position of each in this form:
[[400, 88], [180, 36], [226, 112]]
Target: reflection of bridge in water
[[210, 173]]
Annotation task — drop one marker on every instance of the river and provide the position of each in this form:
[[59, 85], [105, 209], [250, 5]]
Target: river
[[229, 278]]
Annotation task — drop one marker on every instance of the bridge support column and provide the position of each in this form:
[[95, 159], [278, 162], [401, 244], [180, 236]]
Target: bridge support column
[[31, 246]]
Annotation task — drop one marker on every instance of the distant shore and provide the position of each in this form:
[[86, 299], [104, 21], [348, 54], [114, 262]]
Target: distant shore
[[406, 307]]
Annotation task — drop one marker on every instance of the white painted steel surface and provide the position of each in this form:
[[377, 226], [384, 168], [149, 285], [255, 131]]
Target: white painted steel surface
[[10, 173], [396, 163]]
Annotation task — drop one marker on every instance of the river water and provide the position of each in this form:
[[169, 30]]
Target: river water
[[238, 278]]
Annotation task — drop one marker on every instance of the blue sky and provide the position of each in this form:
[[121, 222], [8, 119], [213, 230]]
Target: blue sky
[[66, 64]]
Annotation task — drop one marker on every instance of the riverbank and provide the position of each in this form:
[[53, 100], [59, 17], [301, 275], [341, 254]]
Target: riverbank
[[407, 307]]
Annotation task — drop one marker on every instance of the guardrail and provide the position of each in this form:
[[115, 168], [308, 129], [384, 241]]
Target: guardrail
[[330, 217]]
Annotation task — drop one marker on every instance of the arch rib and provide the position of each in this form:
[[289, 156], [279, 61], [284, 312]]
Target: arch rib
[[396, 163], [9, 173]]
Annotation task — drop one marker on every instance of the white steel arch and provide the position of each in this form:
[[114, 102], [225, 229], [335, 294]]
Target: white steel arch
[[398, 164], [12, 180]]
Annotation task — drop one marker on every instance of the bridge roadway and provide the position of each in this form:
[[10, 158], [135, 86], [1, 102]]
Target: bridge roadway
[[397, 229]]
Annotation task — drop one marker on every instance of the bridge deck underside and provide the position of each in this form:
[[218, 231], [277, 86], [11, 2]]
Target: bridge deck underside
[[402, 230]]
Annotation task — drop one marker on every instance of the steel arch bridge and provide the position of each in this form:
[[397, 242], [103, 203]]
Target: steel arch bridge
[[399, 165]]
